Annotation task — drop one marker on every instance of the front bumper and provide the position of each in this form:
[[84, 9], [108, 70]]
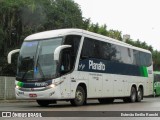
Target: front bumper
[[51, 93]]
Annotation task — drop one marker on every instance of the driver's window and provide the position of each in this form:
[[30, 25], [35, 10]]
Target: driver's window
[[66, 62], [68, 55]]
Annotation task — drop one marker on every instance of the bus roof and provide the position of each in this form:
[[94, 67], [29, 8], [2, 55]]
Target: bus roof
[[52, 33], [63, 32]]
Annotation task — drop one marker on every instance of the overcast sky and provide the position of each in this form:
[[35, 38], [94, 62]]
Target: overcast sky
[[138, 18]]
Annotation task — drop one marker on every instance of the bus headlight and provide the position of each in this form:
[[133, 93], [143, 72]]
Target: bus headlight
[[52, 85], [17, 87], [55, 84]]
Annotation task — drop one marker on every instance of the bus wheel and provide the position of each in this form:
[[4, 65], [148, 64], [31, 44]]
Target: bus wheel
[[154, 93], [133, 95], [43, 103], [126, 100], [139, 95], [106, 100], [79, 97]]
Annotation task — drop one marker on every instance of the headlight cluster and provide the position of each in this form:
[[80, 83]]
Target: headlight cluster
[[17, 87], [52, 85]]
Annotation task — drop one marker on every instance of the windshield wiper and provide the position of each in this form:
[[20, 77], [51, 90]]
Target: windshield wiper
[[40, 69], [24, 75], [26, 59]]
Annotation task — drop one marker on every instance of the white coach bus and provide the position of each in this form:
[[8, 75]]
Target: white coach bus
[[76, 65]]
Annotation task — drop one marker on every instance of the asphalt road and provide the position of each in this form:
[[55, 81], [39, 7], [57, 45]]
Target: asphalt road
[[148, 104]]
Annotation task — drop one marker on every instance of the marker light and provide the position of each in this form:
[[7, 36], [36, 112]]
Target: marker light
[[17, 87], [52, 85]]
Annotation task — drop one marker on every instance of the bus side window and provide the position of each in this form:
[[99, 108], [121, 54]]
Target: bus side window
[[87, 49], [136, 59]]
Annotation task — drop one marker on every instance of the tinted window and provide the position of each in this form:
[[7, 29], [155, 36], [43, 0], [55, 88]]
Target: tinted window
[[74, 41], [68, 56], [136, 59], [126, 56], [88, 48], [142, 59], [97, 49], [115, 53], [102, 50], [145, 59]]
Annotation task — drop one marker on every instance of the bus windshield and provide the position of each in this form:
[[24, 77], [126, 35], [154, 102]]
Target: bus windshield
[[36, 62]]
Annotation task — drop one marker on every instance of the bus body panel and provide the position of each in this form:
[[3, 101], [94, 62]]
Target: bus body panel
[[52, 93]]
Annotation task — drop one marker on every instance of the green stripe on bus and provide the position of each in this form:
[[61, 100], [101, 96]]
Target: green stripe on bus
[[20, 84], [143, 71]]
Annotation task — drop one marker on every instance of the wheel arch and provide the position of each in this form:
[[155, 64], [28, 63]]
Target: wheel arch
[[80, 99], [84, 86], [135, 86]]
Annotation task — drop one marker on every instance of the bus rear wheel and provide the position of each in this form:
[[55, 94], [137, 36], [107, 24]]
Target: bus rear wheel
[[154, 93], [79, 97], [139, 95], [133, 95]]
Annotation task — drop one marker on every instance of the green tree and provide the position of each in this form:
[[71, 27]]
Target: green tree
[[20, 18], [103, 30], [115, 34], [86, 23], [63, 14], [156, 60], [94, 28]]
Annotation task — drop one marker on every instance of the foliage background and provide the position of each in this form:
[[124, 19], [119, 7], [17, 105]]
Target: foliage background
[[20, 18]]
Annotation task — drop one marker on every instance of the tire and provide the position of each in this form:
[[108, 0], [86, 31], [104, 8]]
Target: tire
[[80, 98], [106, 100], [154, 93], [43, 103], [139, 95], [126, 100], [133, 95]]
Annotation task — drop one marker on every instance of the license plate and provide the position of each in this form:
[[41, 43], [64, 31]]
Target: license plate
[[32, 95]]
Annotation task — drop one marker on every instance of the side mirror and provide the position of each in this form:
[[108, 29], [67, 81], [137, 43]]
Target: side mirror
[[9, 57], [58, 50]]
